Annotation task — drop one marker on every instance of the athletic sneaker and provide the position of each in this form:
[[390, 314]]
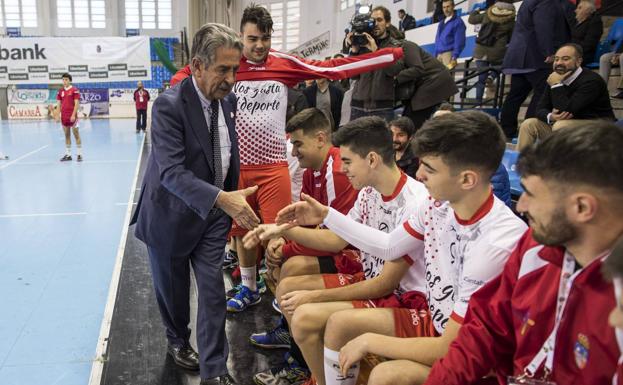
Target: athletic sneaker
[[290, 374], [65, 158], [231, 260], [276, 306], [262, 269], [79, 158], [261, 287], [278, 338], [242, 300]]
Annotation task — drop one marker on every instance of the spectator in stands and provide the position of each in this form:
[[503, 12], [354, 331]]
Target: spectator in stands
[[444, 108], [373, 93], [572, 96], [496, 29], [430, 80], [552, 283], [606, 61], [406, 22], [141, 98], [402, 131], [327, 98], [587, 30], [613, 269], [540, 28], [450, 38]]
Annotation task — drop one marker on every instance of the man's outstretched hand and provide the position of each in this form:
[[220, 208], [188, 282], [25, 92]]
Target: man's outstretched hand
[[306, 212], [235, 204], [263, 232]]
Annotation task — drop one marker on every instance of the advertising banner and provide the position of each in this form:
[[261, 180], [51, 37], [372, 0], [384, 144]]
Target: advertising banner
[[316, 48], [43, 60], [25, 96], [126, 95], [27, 111]]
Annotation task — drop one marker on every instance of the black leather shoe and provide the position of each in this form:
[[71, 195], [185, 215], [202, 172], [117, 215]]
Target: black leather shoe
[[185, 356], [220, 380]]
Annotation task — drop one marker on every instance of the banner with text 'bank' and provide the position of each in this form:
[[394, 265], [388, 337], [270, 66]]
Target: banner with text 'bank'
[[43, 60]]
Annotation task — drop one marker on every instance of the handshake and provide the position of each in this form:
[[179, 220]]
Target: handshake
[[307, 212]]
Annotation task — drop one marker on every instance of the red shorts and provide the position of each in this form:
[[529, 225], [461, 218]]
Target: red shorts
[[273, 192], [411, 314], [338, 280], [66, 120], [348, 261]]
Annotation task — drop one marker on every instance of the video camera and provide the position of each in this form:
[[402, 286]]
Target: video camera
[[360, 23]]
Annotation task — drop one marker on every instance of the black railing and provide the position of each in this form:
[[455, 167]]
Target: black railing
[[473, 73]]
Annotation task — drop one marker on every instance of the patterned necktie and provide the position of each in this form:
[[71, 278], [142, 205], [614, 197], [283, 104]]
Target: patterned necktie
[[216, 145]]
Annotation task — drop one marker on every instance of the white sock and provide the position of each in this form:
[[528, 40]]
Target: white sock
[[248, 277], [79, 150], [332, 372], [68, 150]]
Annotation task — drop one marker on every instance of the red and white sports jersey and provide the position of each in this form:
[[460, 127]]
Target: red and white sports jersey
[[462, 255], [386, 213], [67, 98], [510, 318], [261, 89], [459, 256], [329, 186]]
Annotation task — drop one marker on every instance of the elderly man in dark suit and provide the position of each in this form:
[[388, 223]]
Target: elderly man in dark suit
[[540, 28], [189, 198], [572, 97]]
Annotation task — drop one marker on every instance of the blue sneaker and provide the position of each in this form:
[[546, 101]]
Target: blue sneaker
[[242, 300], [278, 338], [276, 306], [261, 287]]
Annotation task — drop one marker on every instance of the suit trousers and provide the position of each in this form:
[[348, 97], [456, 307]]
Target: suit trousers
[[521, 86], [141, 119], [171, 276]]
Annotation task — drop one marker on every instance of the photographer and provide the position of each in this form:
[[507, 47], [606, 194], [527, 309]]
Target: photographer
[[373, 93]]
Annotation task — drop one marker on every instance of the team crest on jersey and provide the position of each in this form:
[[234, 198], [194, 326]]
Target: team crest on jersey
[[62, 94], [581, 350]]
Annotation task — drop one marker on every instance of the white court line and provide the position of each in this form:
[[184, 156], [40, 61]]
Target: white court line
[[41, 215], [5, 165], [123, 203], [83, 162], [102, 343]]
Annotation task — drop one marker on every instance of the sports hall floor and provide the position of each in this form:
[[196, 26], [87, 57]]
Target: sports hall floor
[[76, 298]]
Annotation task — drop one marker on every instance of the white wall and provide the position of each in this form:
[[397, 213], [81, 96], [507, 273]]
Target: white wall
[[115, 21]]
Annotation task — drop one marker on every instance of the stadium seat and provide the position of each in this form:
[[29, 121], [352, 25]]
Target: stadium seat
[[619, 123], [510, 162], [610, 43]]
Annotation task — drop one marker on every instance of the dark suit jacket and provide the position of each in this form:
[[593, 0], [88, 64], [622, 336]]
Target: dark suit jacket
[[540, 28], [434, 83], [178, 196], [406, 24], [586, 98], [587, 35], [336, 95]]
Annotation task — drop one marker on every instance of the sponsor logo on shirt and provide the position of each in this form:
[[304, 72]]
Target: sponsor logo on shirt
[[581, 350]]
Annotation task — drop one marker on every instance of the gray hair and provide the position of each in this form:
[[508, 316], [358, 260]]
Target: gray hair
[[211, 37]]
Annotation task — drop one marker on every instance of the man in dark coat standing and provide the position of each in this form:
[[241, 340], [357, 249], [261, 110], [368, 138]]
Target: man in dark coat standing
[[541, 27], [188, 199], [587, 30]]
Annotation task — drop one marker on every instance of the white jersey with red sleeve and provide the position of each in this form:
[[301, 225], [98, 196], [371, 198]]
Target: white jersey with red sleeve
[[460, 256], [387, 213], [262, 93]]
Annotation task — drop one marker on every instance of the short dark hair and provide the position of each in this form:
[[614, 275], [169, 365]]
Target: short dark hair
[[448, 1], [578, 48], [401, 11], [386, 14], [310, 120], [462, 139], [259, 16], [68, 76], [365, 135], [613, 266], [590, 154], [405, 124]]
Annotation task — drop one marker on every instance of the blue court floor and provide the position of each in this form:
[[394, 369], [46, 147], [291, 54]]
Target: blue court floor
[[60, 230]]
